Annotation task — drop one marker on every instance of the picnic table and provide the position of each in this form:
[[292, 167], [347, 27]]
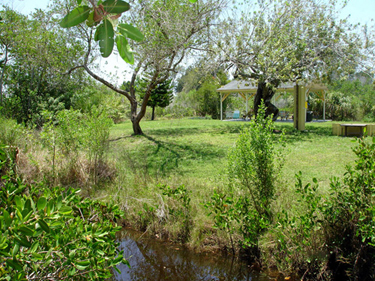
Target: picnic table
[[357, 126]]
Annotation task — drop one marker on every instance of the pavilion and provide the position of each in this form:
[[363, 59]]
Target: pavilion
[[247, 89]]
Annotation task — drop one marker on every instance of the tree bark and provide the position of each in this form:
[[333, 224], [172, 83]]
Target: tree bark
[[265, 93], [2, 74], [137, 128], [153, 113]]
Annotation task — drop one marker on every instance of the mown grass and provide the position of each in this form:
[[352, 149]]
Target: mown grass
[[198, 149], [194, 153]]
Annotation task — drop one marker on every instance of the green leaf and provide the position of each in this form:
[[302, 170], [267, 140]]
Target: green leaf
[[7, 218], [79, 2], [37, 256], [59, 202], [27, 231], [50, 207], [75, 17], [104, 34], [44, 225], [23, 242], [19, 202], [90, 20], [124, 49], [83, 263], [131, 32], [115, 6], [28, 204], [34, 247], [192, 1], [65, 210], [15, 264], [42, 202], [16, 248]]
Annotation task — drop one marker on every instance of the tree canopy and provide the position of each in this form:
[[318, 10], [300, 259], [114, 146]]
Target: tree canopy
[[171, 29], [282, 41]]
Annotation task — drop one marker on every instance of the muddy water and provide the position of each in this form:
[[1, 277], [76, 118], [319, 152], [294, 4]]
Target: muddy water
[[152, 259]]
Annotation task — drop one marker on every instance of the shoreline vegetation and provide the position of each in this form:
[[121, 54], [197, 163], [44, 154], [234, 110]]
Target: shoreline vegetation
[[169, 182]]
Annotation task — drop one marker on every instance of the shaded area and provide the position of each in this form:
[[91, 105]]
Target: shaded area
[[161, 157], [152, 259]]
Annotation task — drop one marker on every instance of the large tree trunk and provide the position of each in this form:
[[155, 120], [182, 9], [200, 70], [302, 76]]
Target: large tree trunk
[[135, 118], [265, 93], [137, 128], [153, 113]]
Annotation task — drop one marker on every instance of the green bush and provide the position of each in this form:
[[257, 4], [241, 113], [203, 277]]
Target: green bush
[[72, 134], [332, 236], [254, 164], [53, 233]]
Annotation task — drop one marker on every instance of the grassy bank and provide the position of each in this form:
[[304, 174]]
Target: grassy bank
[[193, 153], [162, 181]]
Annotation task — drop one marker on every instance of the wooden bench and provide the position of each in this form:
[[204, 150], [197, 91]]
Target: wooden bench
[[358, 133]]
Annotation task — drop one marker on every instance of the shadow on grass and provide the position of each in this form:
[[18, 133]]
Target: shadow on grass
[[311, 132], [162, 157], [222, 129]]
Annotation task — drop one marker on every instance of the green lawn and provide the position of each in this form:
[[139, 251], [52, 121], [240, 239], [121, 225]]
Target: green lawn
[[194, 152], [197, 149]]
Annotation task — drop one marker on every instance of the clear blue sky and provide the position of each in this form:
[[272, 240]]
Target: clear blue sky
[[360, 10]]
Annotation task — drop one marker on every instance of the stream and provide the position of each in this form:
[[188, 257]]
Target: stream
[[152, 259]]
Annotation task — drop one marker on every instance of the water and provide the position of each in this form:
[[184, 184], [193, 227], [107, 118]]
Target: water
[[152, 259]]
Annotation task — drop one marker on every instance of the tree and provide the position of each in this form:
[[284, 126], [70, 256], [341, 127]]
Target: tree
[[172, 30], [289, 41], [161, 96], [197, 89], [37, 57]]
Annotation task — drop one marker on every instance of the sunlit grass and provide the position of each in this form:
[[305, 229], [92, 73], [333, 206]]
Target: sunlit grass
[[194, 152]]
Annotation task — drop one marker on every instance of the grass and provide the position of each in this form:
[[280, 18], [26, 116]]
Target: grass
[[197, 149], [190, 153], [194, 152]]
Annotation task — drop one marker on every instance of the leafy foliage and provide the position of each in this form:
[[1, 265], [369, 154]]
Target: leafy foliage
[[337, 227], [54, 233], [37, 59], [104, 16], [255, 163], [253, 168], [70, 133], [196, 90], [161, 96], [181, 210]]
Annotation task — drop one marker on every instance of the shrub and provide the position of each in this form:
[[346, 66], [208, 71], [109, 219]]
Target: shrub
[[253, 165], [71, 135], [54, 233], [332, 236]]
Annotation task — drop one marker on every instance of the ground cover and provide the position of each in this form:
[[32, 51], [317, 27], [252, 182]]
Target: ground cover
[[193, 153], [166, 181]]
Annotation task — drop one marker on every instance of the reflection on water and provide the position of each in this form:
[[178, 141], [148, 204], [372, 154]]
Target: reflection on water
[[152, 259]]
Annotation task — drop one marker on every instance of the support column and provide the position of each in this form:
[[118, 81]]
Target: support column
[[221, 106], [246, 107], [324, 105], [299, 108]]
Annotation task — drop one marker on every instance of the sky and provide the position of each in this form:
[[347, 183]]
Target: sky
[[360, 11]]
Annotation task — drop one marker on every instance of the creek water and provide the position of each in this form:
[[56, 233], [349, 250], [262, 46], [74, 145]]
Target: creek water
[[152, 259]]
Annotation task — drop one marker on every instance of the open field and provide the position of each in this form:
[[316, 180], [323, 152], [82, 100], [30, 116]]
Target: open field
[[197, 149], [193, 152]]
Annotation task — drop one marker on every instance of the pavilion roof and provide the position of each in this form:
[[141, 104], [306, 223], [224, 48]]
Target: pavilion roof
[[245, 86]]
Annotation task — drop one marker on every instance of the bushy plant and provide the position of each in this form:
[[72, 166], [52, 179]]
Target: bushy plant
[[71, 134], [179, 207], [254, 163], [253, 167], [53, 233], [332, 236]]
